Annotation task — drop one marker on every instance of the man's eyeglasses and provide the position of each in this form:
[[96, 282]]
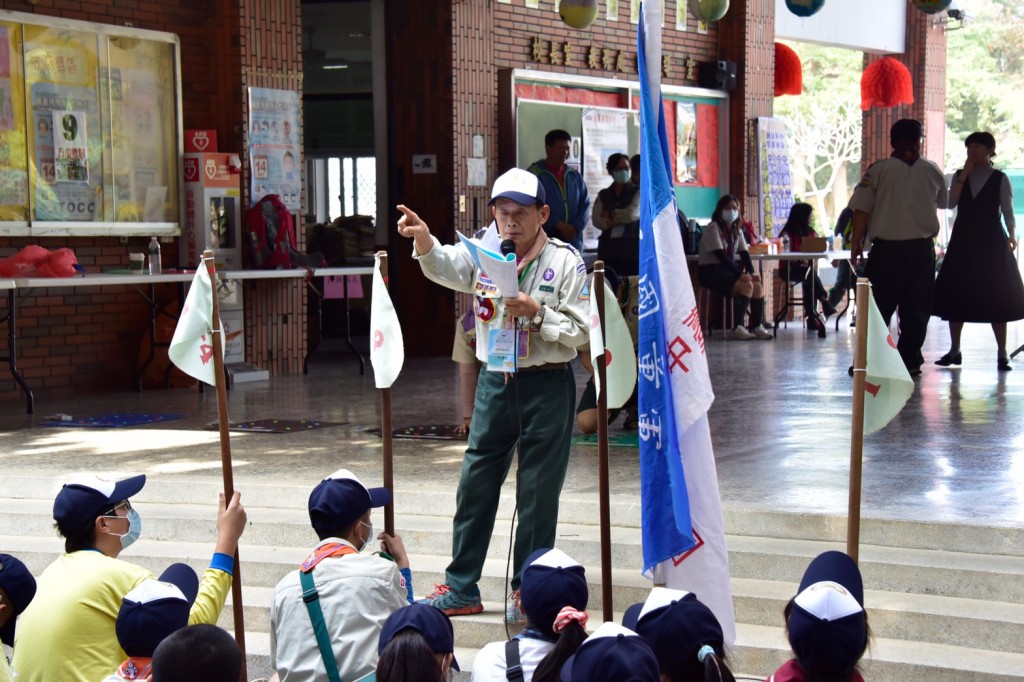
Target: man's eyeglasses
[[126, 505]]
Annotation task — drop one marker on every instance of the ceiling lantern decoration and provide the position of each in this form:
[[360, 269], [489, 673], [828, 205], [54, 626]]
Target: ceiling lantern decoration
[[578, 13], [789, 72], [804, 8], [932, 6], [886, 83], [708, 10]]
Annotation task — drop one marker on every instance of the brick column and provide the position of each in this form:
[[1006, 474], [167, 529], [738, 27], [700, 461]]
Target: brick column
[[925, 56], [747, 37]]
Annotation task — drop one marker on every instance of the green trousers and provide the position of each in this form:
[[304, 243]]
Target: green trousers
[[534, 410]]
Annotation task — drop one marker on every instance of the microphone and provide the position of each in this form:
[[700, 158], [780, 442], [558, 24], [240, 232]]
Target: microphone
[[508, 246]]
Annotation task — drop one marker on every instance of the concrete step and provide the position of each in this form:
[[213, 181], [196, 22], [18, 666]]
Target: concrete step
[[575, 508], [760, 650]]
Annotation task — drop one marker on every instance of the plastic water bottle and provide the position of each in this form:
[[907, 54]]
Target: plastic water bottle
[[154, 256], [785, 243]]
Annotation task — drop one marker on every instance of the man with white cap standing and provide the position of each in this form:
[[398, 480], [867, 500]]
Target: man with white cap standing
[[540, 328], [326, 616], [67, 632]]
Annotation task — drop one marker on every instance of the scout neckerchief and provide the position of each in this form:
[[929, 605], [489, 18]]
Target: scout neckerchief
[[136, 668], [312, 600]]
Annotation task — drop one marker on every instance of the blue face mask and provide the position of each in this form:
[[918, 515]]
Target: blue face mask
[[134, 529], [621, 176]]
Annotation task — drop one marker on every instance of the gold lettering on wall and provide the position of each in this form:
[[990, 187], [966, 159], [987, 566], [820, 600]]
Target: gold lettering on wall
[[599, 58]]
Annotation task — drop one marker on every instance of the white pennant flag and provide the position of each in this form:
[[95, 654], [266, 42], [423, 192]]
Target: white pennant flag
[[387, 351], [620, 358], [191, 348], [888, 385]]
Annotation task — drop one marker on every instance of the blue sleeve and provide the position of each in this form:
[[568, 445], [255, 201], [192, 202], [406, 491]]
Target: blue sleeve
[[407, 574], [222, 562], [579, 217]]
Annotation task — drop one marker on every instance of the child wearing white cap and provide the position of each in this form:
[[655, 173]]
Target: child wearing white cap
[[553, 597], [68, 632]]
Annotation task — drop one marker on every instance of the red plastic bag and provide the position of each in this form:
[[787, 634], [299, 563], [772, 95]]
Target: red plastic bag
[[35, 261]]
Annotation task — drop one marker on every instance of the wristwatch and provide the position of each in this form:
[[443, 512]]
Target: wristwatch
[[539, 317]]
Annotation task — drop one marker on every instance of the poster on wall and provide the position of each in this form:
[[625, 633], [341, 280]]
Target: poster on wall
[[70, 153], [686, 143], [13, 160], [64, 120], [774, 182], [274, 152], [605, 133]]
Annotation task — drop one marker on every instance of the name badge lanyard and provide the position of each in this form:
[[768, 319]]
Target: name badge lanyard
[[522, 276]]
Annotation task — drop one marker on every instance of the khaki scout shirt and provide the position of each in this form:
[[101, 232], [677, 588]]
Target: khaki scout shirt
[[903, 199], [557, 280]]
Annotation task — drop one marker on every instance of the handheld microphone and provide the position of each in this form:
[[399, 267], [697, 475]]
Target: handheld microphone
[[508, 246]]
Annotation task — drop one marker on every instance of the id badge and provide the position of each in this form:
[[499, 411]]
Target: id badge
[[502, 347]]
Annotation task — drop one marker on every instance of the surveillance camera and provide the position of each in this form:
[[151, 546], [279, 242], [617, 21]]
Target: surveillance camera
[[956, 14]]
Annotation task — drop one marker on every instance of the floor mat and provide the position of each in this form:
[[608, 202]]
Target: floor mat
[[277, 425], [615, 440], [424, 431], [112, 421]]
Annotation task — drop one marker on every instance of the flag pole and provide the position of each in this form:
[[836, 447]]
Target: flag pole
[[386, 428], [860, 356], [225, 451], [597, 290]]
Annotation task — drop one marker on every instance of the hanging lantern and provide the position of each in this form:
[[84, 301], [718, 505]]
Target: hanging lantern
[[804, 8], [578, 13], [886, 83], [932, 6], [789, 72], [708, 10]]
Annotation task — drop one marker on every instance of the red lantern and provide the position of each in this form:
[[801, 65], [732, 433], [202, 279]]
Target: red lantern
[[789, 72], [886, 83]]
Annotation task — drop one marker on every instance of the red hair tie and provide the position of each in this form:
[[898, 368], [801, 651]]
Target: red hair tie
[[567, 615]]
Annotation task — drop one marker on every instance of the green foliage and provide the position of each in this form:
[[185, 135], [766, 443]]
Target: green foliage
[[985, 81]]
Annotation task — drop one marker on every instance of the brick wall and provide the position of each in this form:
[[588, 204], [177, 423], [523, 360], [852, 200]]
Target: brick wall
[[926, 59], [88, 340]]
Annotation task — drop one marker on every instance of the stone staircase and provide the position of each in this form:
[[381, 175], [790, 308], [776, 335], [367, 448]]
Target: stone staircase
[[945, 602]]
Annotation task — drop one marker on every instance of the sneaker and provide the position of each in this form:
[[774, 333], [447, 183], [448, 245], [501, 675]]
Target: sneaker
[[740, 334], [514, 610], [453, 603], [763, 334]]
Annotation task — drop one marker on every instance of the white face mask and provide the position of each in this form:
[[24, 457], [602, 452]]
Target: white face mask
[[730, 215], [369, 535], [620, 176]]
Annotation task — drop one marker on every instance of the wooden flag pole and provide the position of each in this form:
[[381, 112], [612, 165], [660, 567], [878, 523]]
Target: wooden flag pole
[[225, 451], [860, 357], [597, 290], [386, 428]]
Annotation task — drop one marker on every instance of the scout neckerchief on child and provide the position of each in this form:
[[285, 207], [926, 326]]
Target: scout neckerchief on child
[[136, 668], [312, 599]]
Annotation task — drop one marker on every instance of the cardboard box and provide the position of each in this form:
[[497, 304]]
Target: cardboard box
[[813, 245]]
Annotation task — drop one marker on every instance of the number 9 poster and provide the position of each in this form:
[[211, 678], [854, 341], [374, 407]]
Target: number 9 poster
[[274, 152]]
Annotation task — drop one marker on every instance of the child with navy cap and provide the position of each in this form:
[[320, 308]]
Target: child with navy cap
[[339, 590], [17, 588], [149, 614], [68, 632], [553, 596], [612, 654], [826, 623], [417, 644], [684, 634]]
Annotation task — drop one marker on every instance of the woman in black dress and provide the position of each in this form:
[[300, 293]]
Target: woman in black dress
[[979, 280]]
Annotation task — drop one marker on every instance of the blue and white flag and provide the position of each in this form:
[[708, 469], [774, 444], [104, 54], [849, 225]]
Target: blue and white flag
[[681, 512]]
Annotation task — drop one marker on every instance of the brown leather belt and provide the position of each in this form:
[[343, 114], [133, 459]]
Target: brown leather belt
[[547, 367]]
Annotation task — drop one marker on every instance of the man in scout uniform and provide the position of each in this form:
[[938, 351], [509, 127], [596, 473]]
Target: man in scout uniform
[[526, 394], [326, 616], [895, 206]]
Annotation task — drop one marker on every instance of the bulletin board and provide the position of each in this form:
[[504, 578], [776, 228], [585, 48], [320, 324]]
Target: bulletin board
[[697, 147], [90, 125]]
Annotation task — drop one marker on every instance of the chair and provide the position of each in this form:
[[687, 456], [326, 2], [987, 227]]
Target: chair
[[704, 312], [791, 298]]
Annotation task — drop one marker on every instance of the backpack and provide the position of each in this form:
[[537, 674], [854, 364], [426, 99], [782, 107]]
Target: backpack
[[270, 238]]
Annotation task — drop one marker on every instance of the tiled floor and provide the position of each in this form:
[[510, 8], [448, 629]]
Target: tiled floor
[[780, 426]]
